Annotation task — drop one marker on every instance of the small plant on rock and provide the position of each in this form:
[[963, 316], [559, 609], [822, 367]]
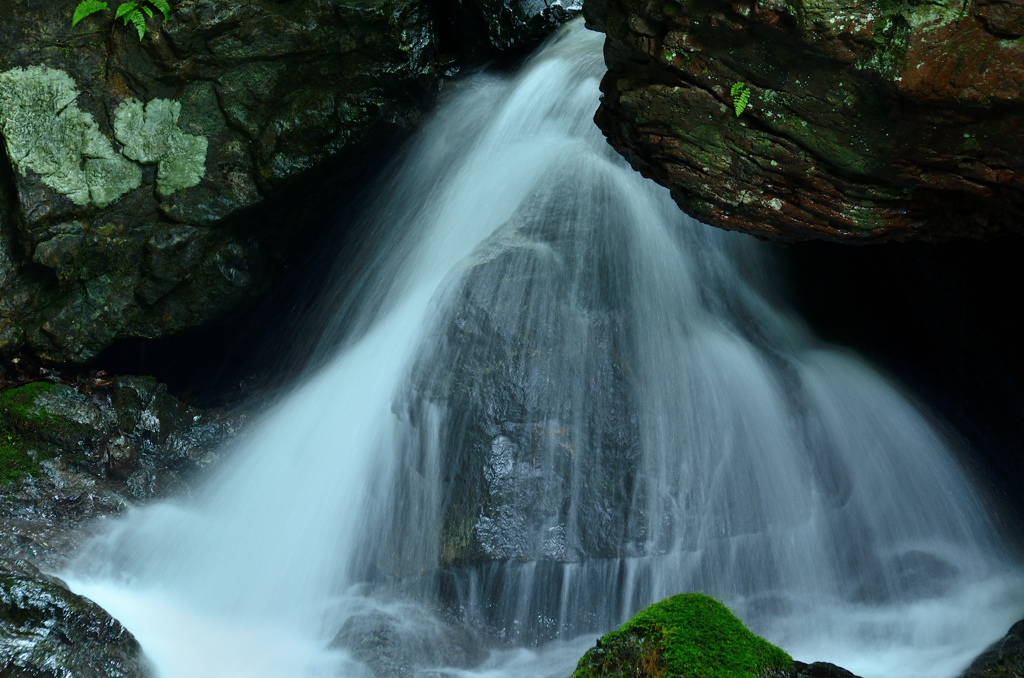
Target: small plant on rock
[[131, 12], [740, 97]]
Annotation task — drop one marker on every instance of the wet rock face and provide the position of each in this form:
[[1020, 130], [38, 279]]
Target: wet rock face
[[1004, 659], [70, 455], [866, 120], [46, 631], [130, 165], [525, 402], [487, 28], [406, 641]]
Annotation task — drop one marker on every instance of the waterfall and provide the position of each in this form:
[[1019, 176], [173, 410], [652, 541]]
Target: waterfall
[[557, 400]]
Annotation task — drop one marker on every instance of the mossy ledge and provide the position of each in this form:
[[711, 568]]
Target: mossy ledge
[[18, 411], [689, 635]]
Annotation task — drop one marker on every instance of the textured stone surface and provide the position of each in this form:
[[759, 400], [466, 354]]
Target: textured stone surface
[[517, 425], [150, 134], [47, 133], [490, 27], [232, 101], [46, 631], [1004, 659], [72, 453], [867, 120], [406, 641]]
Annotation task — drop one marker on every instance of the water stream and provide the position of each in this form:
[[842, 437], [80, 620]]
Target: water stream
[[577, 401]]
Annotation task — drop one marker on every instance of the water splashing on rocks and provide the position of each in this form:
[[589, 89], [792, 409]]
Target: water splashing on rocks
[[559, 400]]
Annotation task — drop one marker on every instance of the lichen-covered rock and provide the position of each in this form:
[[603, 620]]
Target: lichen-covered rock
[[689, 635], [1004, 659], [47, 133], [219, 107], [46, 631], [70, 454], [150, 134], [866, 120]]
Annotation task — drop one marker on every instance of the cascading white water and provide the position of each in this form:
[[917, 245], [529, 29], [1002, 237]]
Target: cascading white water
[[577, 401]]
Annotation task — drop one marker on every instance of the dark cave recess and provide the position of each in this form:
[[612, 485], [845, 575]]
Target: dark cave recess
[[943, 319]]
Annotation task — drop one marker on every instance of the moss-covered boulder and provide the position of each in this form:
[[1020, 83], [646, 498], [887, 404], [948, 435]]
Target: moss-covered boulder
[[71, 453], [861, 121], [689, 635], [46, 631]]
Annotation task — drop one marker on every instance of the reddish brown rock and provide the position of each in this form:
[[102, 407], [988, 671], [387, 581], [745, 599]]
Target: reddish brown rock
[[868, 120]]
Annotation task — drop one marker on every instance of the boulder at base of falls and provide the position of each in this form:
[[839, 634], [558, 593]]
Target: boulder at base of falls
[[406, 640], [860, 121], [692, 635], [1003, 659], [46, 631], [72, 453]]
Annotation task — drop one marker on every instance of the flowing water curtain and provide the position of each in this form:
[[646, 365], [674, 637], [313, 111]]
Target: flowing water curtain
[[551, 400]]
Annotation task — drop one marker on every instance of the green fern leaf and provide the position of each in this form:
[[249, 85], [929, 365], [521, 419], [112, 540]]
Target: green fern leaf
[[139, 21], [148, 11], [163, 6], [87, 7], [740, 97], [123, 9]]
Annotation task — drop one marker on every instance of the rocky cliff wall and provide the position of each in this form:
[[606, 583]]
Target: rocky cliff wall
[[865, 120]]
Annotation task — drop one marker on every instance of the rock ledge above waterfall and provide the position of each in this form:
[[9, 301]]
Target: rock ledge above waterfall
[[866, 120]]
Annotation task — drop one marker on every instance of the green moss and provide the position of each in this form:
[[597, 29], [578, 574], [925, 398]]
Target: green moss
[[15, 460], [18, 410], [888, 55], [690, 635], [18, 405], [457, 537], [33, 413]]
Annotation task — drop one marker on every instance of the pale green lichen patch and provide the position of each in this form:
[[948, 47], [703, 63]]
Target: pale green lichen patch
[[47, 133], [151, 134]]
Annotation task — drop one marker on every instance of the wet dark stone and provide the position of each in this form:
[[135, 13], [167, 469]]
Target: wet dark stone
[[46, 631], [535, 401], [72, 454], [487, 28], [821, 670], [1003, 659], [399, 643]]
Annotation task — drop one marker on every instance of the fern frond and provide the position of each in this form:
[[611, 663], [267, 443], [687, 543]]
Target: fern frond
[[123, 9], [740, 97], [148, 11], [139, 21], [163, 6], [87, 7]]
